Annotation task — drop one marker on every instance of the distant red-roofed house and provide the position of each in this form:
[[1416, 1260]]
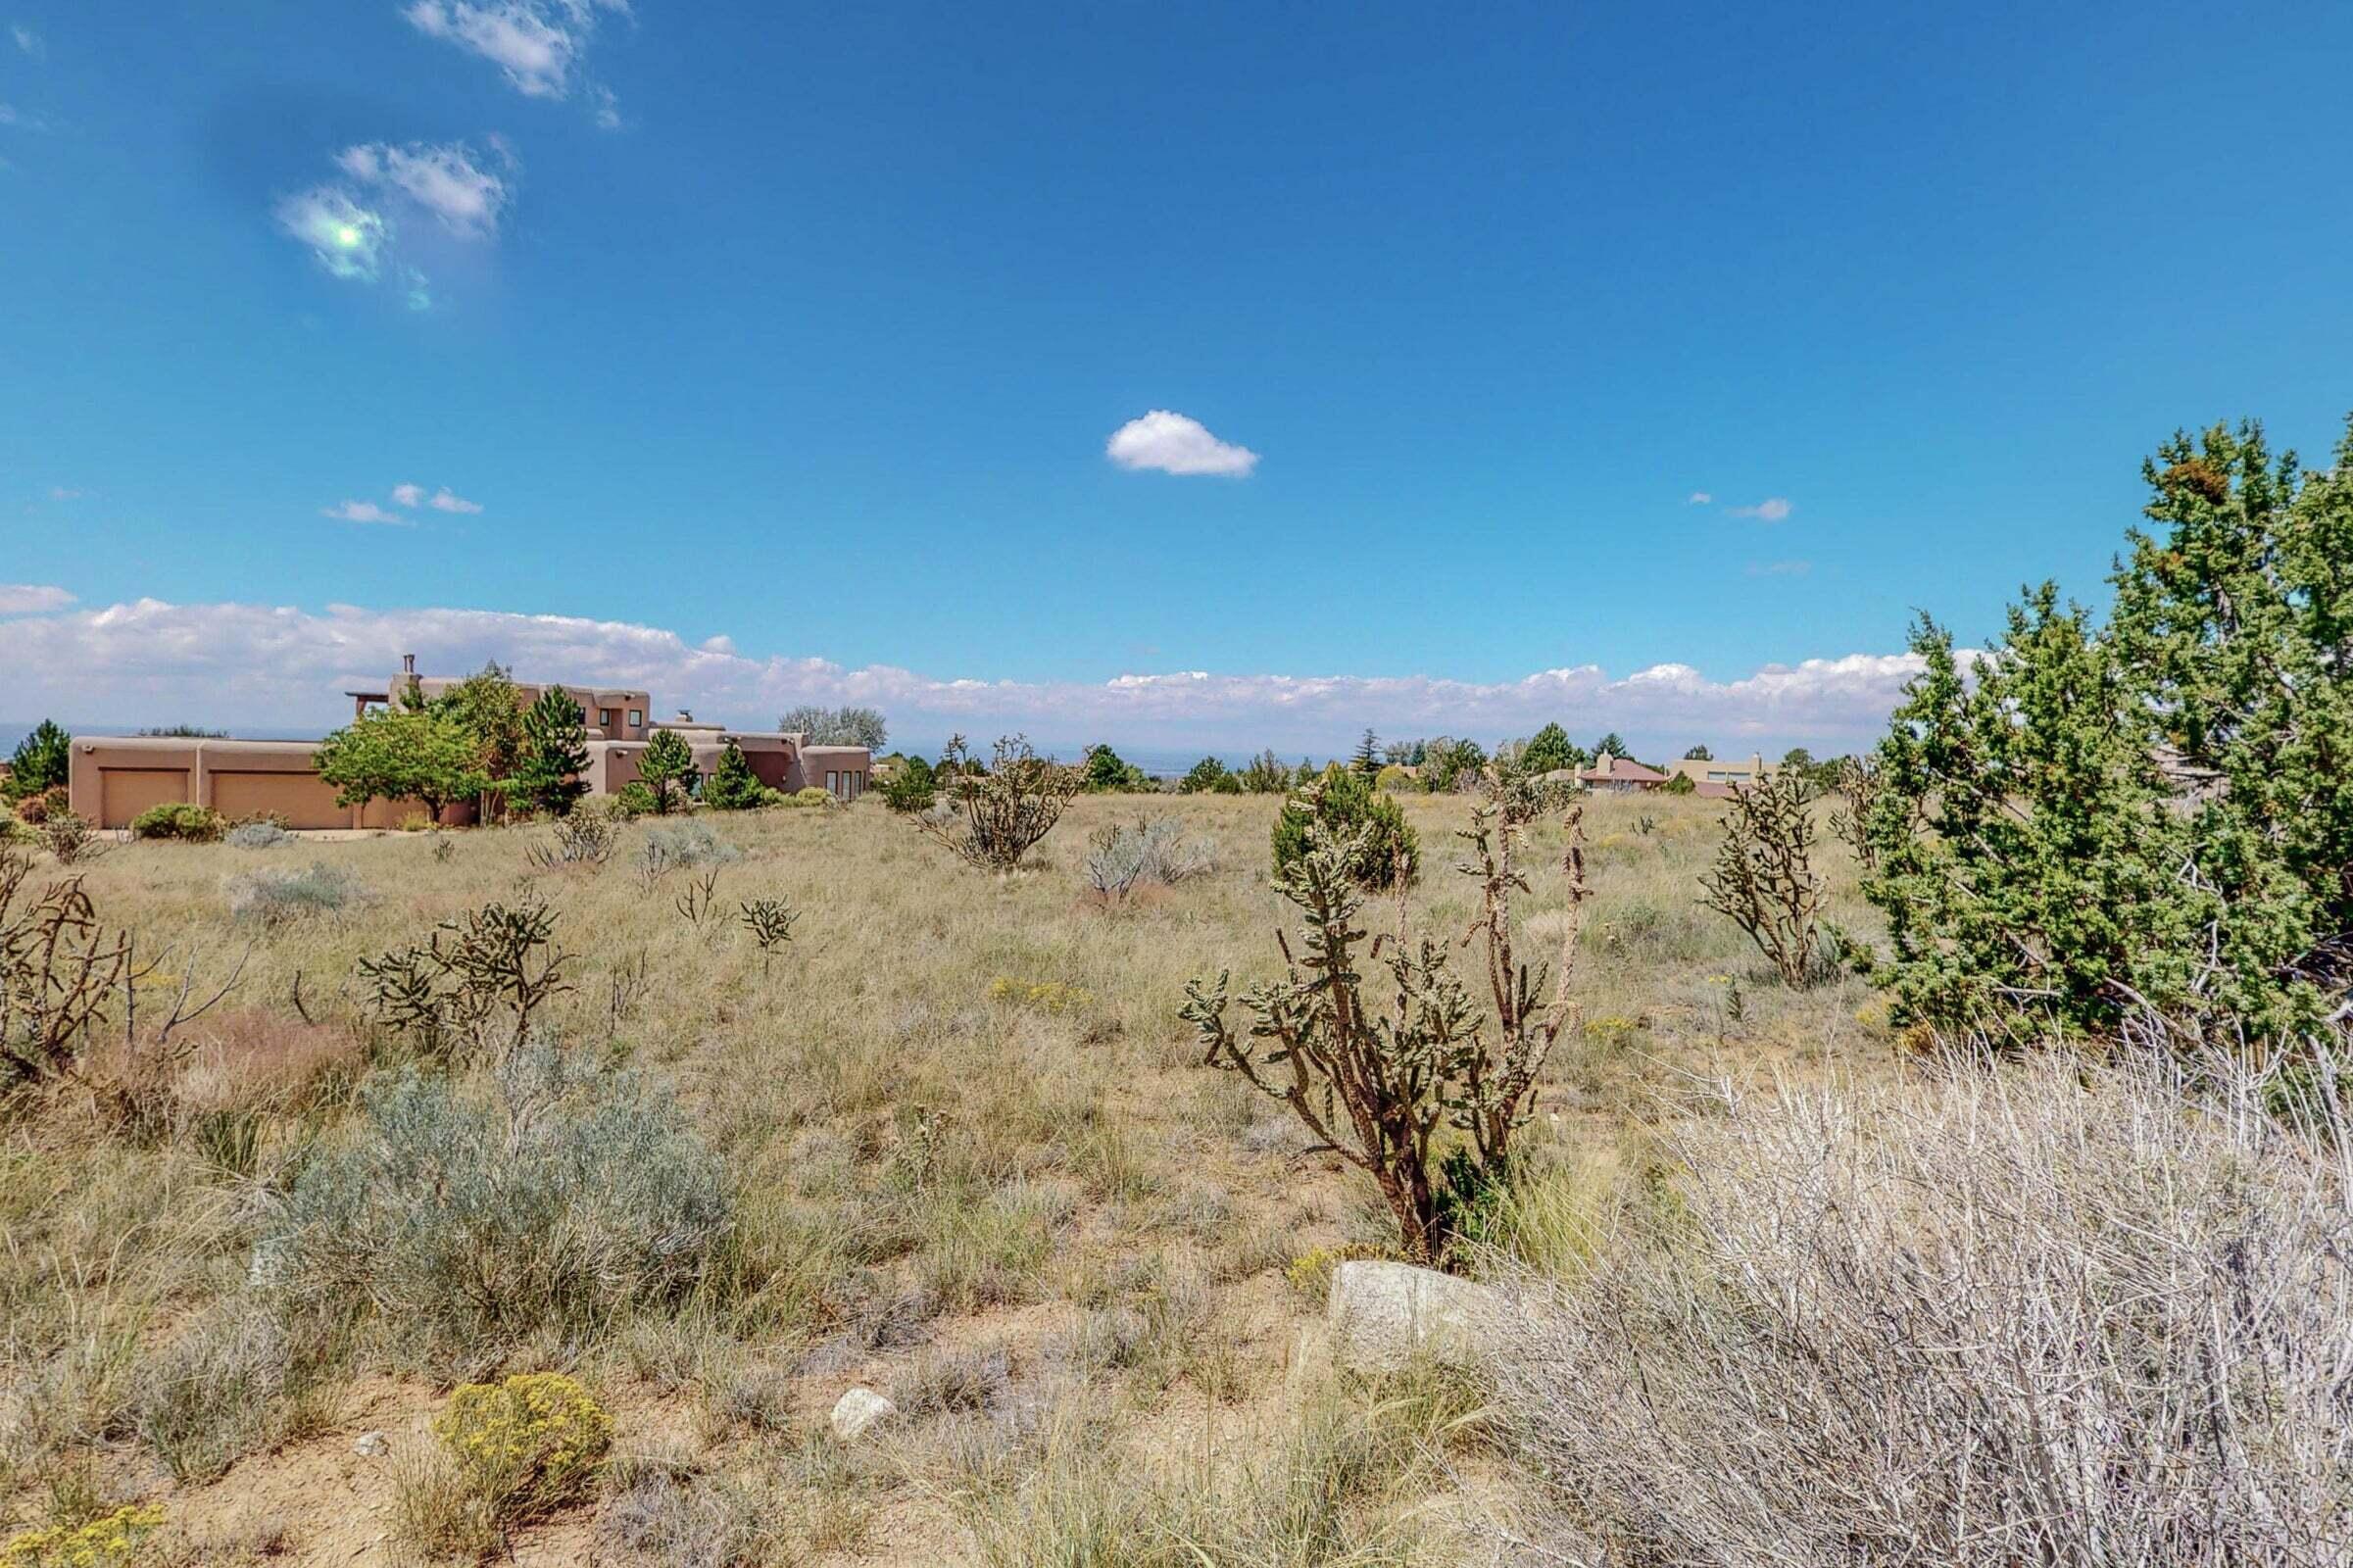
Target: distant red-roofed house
[[1615, 775]]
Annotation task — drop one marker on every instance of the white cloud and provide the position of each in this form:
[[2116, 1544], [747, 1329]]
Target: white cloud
[[346, 238], [58, 492], [409, 495], [1773, 509], [444, 501], [28, 41], [441, 180], [31, 598], [283, 669], [1700, 498], [364, 512], [1175, 444], [538, 45]]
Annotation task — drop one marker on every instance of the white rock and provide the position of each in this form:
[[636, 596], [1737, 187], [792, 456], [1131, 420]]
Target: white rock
[[857, 1410], [372, 1445], [1381, 1316]]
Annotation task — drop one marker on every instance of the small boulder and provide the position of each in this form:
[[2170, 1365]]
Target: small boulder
[[372, 1445], [858, 1410], [1382, 1316]]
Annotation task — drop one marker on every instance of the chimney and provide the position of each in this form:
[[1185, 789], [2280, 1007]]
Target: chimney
[[408, 663]]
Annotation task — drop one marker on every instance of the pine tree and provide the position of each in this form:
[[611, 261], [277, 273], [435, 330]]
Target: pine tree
[[553, 756], [668, 768], [732, 785], [1368, 754], [1548, 751], [40, 763]]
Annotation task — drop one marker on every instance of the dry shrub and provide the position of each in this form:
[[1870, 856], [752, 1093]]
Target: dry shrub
[[2050, 1316], [993, 815]]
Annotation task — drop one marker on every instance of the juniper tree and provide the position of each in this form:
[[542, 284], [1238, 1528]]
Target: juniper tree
[[2142, 826], [554, 755]]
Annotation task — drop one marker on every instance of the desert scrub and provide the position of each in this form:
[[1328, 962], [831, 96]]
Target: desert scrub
[[469, 1218], [218, 1391], [1152, 852], [683, 848], [1383, 850], [111, 1540], [509, 1452], [261, 833], [1927, 1282], [274, 896]]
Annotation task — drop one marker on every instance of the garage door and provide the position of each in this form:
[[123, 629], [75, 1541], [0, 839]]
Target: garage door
[[126, 791], [303, 800]]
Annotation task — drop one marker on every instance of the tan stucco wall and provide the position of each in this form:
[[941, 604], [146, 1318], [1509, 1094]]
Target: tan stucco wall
[[112, 779]]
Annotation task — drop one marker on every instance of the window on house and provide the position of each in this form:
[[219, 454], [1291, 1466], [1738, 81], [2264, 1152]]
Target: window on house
[[833, 783], [605, 718], [637, 718]]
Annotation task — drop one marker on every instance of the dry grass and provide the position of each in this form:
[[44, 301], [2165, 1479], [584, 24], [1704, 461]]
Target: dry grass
[[1026, 1203]]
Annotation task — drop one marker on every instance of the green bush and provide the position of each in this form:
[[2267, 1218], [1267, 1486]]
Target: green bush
[[633, 799], [1106, 773], [911, 786], [1393, 780], [471, 1220], [1385, 852], [178, 820], [812, 795]]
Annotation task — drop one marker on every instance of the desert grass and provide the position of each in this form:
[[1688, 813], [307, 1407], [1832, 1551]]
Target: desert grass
[[970, 1152]]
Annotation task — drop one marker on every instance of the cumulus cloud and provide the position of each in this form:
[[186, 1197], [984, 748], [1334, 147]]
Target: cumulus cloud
[[409, 495], [30, 599], [1700, 498], [1175, 444], [1773, 509], [281, 667], [444, 501], [364, 511], [444, 180], [536, 44]]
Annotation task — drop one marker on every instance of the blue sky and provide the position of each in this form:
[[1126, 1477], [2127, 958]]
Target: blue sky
[[783, 349]]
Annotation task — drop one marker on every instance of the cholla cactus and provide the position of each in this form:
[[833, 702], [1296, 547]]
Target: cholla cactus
[[1378, 1088], [1764, 878], [994, 814]]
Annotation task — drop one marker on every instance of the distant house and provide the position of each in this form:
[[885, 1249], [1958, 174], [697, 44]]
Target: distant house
[[113, 778], [1617, 776], [1713, 779]]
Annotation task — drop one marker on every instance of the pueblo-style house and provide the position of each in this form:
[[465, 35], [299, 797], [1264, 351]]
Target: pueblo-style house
[[113, 778]]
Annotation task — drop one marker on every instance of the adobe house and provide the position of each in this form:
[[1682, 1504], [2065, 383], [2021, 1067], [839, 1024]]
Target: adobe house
[[112, 779], [1718, 777], [1618, 775]]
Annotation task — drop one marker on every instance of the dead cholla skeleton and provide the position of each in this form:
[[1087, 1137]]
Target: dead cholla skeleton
[[64, 974], [1376, 1087], [991, 819]]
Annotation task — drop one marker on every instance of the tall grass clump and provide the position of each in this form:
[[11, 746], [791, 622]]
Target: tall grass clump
[[467, 1220], [2048, 1315], [274, 895]]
